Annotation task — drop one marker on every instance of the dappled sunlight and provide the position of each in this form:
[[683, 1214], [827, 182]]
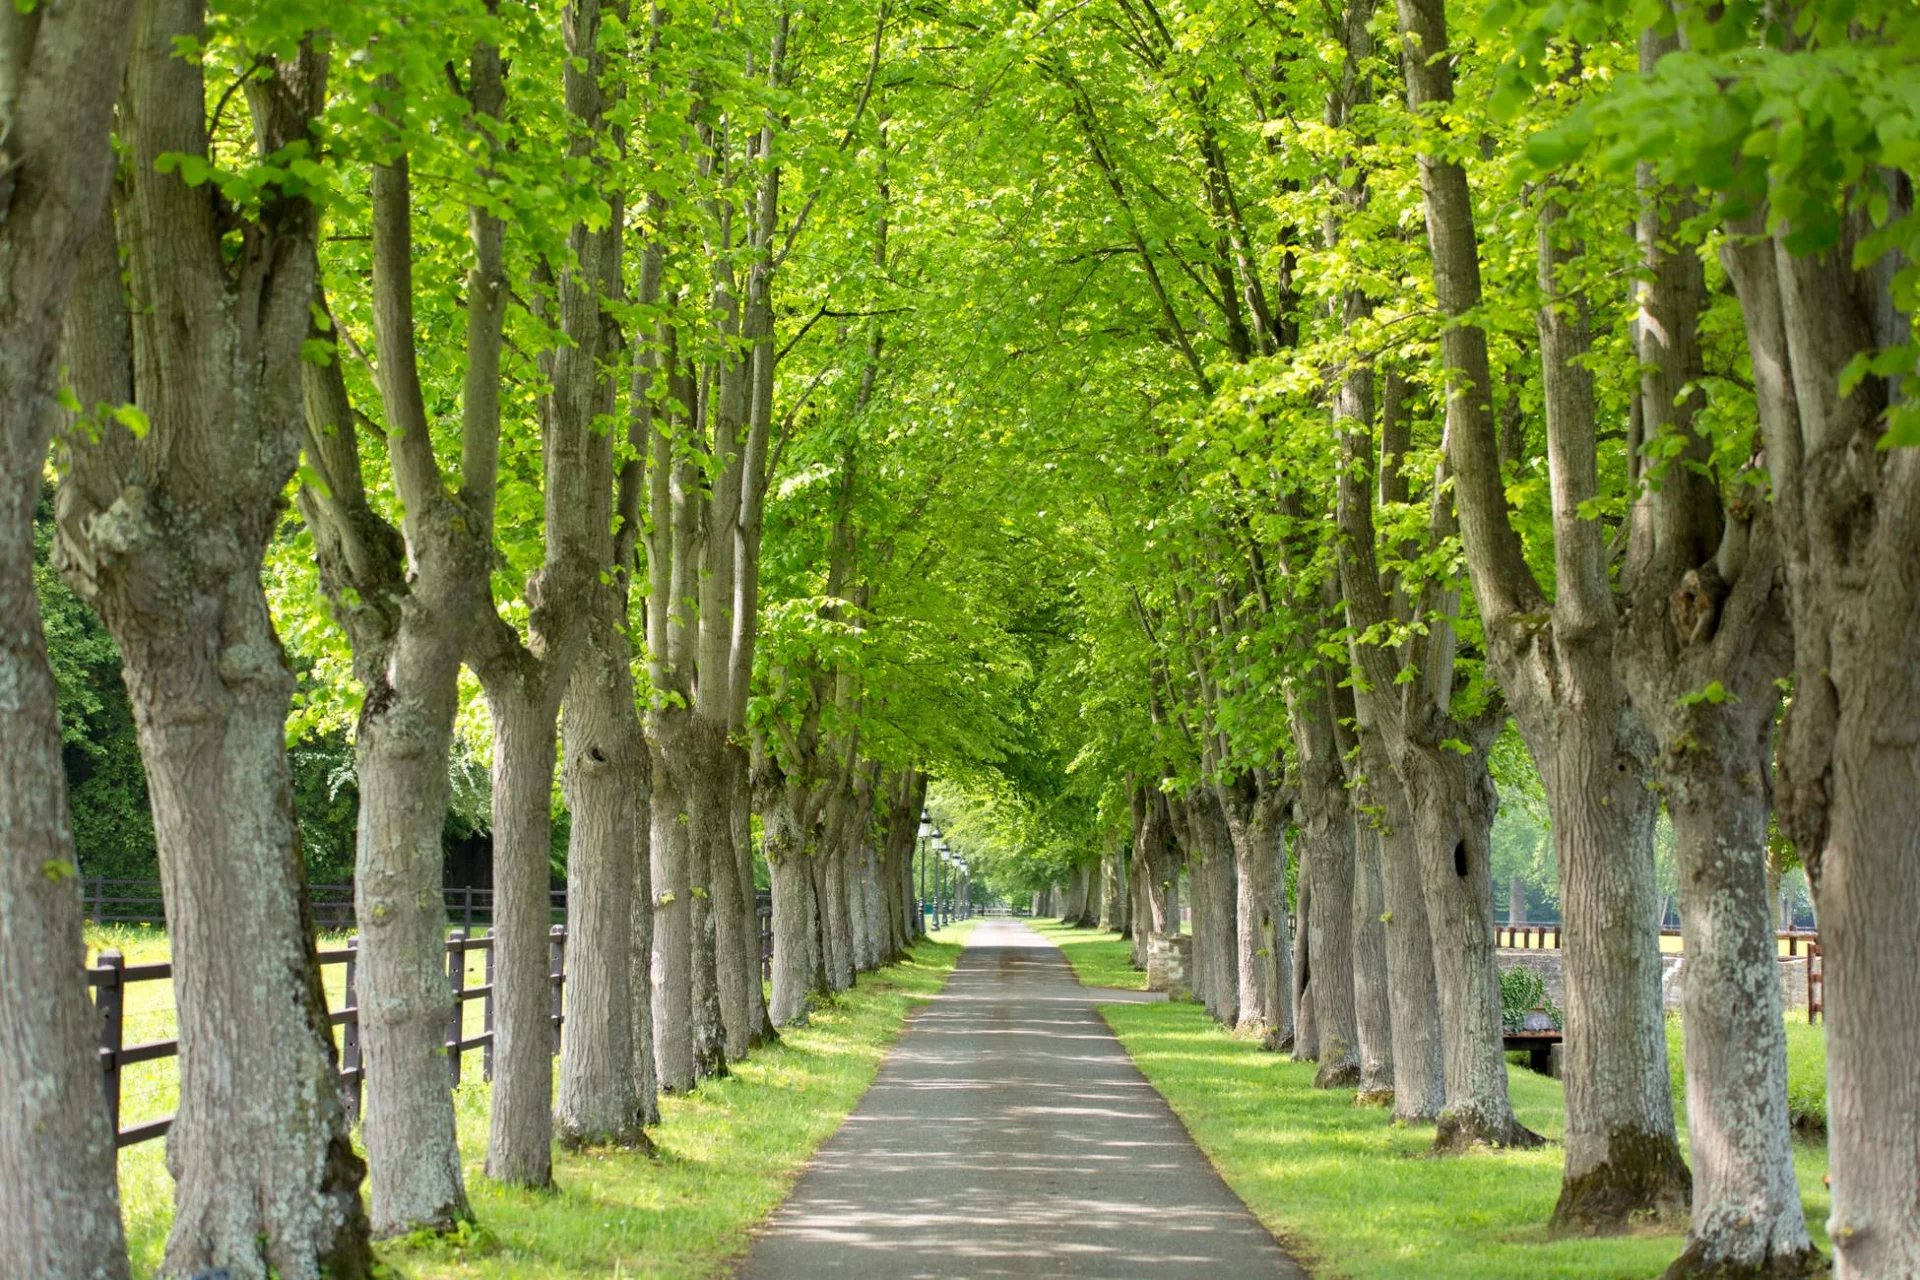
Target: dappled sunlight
[[1009, 1134]]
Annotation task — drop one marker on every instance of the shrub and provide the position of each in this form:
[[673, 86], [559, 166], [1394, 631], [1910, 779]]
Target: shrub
[[1522, 992]]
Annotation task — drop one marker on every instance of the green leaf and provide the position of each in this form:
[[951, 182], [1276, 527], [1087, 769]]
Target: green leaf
[[134, 419]]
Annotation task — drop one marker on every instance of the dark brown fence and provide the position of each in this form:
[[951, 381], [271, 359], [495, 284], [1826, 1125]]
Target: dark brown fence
[[110, 977]]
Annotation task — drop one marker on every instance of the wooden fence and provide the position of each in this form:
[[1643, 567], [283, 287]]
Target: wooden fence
[[110, 977]]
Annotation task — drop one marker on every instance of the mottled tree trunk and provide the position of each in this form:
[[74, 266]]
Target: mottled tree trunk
[[672, 969], [1452, 800], [1708, 605], [1326, 829], [400, 761], [759, 1029], [839, 915], [1746, 1209], [794, 964], [711, 793], [646, 1075], [1622, 1159], [520, 1131], [1413, 992], [166, 536], [1280, 958], [58, 1196], [1306, 1025], [599, 1102], [1373, 1015]]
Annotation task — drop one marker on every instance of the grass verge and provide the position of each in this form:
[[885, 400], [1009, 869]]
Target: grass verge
[[728, 1153], [1354, 1196], [1099, 958]]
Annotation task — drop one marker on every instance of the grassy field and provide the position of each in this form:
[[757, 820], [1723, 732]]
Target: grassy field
[[727, 1153], [1355, 1196], [1097, 958]]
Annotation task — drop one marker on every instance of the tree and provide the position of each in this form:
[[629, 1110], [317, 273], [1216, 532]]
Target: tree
[[58, 72], [163, 531]]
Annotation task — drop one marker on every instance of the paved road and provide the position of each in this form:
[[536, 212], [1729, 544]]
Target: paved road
[[1008, 1134]]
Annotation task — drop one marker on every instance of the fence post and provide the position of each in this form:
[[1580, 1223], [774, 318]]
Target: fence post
[[110, 1005], [457, 980], [557, 959], [350, 1032], [486, 1018]]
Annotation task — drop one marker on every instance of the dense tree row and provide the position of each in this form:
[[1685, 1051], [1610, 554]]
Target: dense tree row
[[1215, 440]]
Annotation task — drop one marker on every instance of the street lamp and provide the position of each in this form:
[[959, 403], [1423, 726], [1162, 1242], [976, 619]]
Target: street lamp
[[940, 851], [927, 832]]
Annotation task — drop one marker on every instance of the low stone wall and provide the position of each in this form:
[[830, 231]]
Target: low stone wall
[[1169, 961], [1547, 963]]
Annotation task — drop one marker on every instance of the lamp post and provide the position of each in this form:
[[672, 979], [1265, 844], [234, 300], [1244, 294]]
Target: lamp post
[[939, 874], [920, 903]]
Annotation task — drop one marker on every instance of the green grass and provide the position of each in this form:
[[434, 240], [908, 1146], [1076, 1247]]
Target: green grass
[[1355, 1196], [1099, 958], [1806, 1071], [728, 1153]]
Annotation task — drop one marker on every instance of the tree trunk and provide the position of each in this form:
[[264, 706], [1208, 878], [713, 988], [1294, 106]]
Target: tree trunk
[[1708, 605], [1849, 794], [794, 964], [839, 921], [1413, 990], [646, 1075], [708, 1028], [1622, 1159], [1326, 831], [1373, 1015], [1306, 1026], [400, 761], [165, 536], [672, 970], [759, 1029], [1221, 957], [1452, 801], [520, 1132], [57, 1190], [1746, 1212], [1282, 1036], [711, 792], [58, 1194], [599, 1101], [1248, 809]]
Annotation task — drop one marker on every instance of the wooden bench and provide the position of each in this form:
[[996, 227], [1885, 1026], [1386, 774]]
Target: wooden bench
[[1538, 1046]]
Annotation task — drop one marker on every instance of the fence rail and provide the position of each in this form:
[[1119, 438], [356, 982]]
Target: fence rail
[[110, 977], [1546, 936]]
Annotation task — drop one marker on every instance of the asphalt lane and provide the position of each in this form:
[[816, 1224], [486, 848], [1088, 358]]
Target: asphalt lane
[[1008, 1134]]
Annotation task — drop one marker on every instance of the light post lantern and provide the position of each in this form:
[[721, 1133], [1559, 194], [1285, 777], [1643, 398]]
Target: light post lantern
[[927, 832]]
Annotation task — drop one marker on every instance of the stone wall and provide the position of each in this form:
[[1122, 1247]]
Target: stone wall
[[1547, 963]]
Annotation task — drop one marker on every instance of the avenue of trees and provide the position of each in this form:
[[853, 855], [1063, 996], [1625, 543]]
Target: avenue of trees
[[1210, 439]]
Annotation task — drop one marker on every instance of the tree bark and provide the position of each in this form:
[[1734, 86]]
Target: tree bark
[[1848, 524], [1707, 604], [1453, 801], [1373, 1015], [58, 1194], [599, 1102], [1306, 1025], [672, 970], [711, 801], [165, 537], [1554, 662], [525, 737]]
